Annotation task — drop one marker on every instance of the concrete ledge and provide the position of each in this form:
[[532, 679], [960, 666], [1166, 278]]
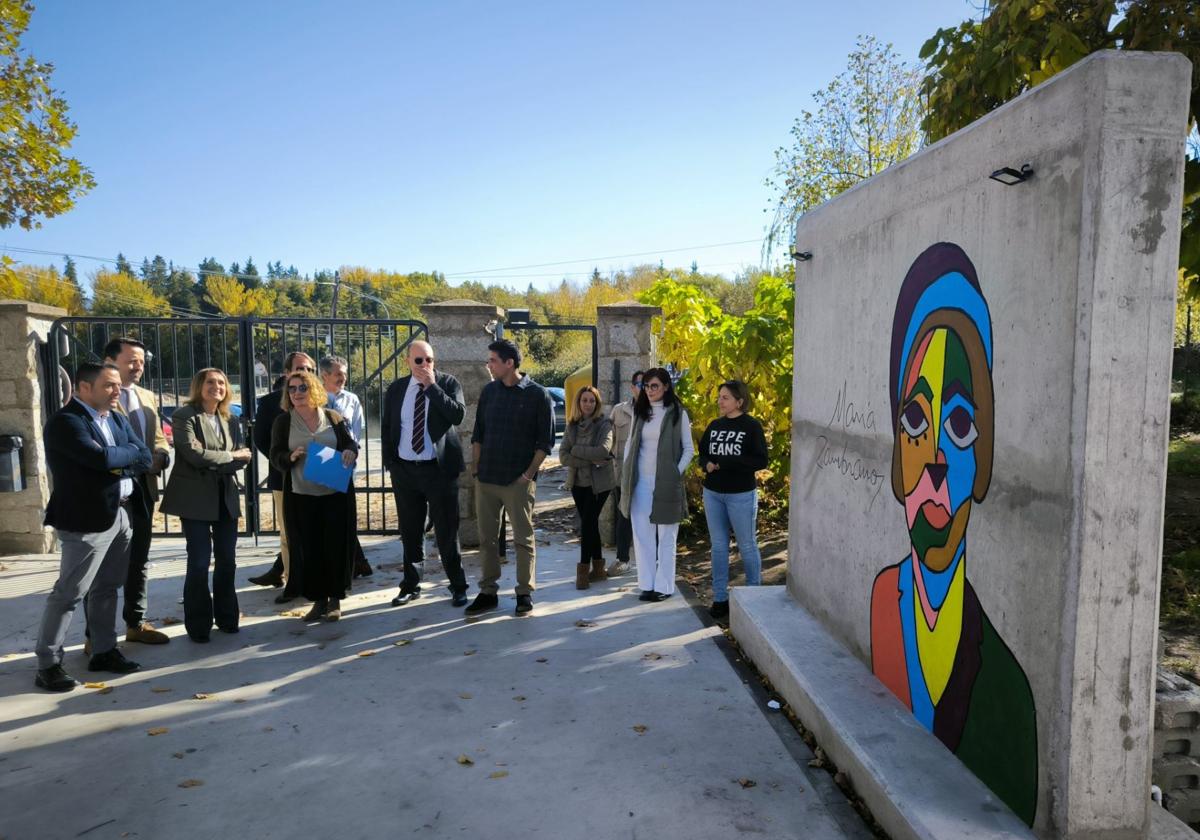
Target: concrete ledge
[[1166, 826], [913, 785]]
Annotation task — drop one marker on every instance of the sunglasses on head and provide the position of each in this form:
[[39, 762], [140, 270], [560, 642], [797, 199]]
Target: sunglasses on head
[[298, 389], [420, 360]]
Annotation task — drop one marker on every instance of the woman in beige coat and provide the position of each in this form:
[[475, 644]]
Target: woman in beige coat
[[202, 492], [587, 453]]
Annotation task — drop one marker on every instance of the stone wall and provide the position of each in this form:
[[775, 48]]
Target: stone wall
[[23, 327]]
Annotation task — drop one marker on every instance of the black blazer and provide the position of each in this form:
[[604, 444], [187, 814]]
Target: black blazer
[[444, 410], [268, 410], [87, 472]]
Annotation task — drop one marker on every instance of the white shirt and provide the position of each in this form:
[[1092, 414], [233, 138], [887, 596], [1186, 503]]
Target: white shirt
[[647, 453], [102, 420], [347, 405], [132, 407], [404, 448]]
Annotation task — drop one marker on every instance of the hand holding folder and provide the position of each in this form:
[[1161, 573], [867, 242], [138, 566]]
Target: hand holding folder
[[323, 465]]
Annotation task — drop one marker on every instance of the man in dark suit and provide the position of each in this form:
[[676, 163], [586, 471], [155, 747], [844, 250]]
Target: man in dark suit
[[94, 457], [423, 452], [264, 417]]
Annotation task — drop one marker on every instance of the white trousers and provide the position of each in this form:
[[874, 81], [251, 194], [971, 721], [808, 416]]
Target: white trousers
[[654, 544]]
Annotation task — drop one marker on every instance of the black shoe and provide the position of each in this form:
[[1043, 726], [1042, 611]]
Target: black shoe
[[229, 629], [54, 678], [406, 596], [482, 603], [524, 605], [458, 599], [200, 640], [659, 596], [647, 595], [284, 598], [273, 576], [719, 609], [113, 661]]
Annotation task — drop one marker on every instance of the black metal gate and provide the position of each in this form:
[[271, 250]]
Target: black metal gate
[[251, 352]]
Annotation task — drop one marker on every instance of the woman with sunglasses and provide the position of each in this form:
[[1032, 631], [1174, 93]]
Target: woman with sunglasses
[[652, 492], [587, 453], [202, 492], [732, 450], [320, 520]]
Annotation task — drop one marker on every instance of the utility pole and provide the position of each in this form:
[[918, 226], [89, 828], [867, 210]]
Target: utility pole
[[337, 287]]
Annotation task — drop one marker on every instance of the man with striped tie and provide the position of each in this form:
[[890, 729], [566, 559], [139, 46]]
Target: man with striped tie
[[423, 452], [138, 404]]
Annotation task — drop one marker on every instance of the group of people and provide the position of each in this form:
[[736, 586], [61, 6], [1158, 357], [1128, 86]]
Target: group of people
[[106, 450]]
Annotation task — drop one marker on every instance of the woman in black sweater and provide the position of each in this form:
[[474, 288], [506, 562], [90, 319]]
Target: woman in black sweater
[[732, 450]]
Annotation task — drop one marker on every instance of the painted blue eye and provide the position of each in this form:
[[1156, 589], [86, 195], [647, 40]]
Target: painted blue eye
[[960, 428], [913, 420]]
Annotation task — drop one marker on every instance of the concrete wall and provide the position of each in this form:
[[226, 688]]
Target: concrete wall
[[23, 327], [1063, 485]]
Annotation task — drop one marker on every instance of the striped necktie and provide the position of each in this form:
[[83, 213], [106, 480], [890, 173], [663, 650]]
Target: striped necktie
[[418, 434]]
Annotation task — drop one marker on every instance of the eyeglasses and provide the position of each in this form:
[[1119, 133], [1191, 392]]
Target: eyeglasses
[[654, 386], [637, 384], [298, 389], [420, 360]]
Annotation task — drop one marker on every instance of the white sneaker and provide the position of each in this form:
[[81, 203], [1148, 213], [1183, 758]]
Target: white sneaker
[[617, 568]]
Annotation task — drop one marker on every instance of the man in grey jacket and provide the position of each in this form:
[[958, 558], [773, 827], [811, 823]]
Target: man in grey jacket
[[622, 422]]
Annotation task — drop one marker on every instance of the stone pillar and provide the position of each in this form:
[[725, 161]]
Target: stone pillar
[[456, 331], [23, 327], [624, 334]]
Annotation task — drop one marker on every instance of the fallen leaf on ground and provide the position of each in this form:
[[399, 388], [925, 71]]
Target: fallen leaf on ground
[[583, 622], [176, 755], [200, 695], [541, 659], [520, 698], [363, 653], [158, 730], [187, 783], [640, 728], [747, 783], [497, 774], [268, 729], [93, 685], [169, 621], [652, 656], [159, 689], [465, 760], [465, 695], [106, 690], [240, 700], [469, 652], [402, 642]]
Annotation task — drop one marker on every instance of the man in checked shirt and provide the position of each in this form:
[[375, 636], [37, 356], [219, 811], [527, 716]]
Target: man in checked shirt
[[514, 432]]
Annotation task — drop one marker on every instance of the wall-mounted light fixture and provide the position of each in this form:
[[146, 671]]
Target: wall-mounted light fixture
[[1009, 176], [802, 256]]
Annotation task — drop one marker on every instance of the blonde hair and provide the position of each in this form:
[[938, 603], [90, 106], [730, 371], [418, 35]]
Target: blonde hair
[[196, 394], [576, 411], [316, 391]]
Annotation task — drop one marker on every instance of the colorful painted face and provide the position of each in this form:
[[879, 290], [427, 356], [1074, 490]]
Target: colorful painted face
[[937, 435]]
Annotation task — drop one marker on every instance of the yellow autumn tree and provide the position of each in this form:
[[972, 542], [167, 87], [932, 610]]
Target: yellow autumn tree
[[117, 293], [233, 299], [39, 284]]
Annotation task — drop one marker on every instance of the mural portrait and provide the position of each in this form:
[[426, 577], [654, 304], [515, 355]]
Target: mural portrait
[[932, 644]]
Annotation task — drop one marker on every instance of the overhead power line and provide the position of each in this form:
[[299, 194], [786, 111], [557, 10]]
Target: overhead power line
[[599, 259]]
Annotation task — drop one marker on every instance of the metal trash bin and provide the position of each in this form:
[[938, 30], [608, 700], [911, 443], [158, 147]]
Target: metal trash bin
[[12, 476]]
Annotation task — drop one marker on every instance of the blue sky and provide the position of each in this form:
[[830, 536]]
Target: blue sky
[[457, 136]]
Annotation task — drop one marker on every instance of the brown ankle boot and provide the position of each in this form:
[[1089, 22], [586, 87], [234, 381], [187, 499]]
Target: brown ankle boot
[[598, 572], [581, 576]]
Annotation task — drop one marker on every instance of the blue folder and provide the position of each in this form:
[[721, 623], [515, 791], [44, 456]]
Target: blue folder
[[323, 466]]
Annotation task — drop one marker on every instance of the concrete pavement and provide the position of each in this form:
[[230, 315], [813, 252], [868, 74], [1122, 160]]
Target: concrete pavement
[[599, 716]]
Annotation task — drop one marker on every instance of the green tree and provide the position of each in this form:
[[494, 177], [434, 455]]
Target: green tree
[[70, 272], [124, 266], [866, 119], [1016, 44], [250, 278], [37, 177]]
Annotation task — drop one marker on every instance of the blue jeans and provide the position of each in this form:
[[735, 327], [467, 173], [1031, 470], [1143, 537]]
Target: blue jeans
[[739, 512], [200, 606]]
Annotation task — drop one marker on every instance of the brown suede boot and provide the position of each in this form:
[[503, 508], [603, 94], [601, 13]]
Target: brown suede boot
[[598, 572], [581, 576]]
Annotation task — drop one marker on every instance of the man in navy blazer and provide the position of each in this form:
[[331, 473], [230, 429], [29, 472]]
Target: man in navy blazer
[[94, 455], [423, 453]]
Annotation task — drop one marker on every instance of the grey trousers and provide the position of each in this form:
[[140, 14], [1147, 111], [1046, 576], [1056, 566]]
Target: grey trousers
[[93, 565]]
